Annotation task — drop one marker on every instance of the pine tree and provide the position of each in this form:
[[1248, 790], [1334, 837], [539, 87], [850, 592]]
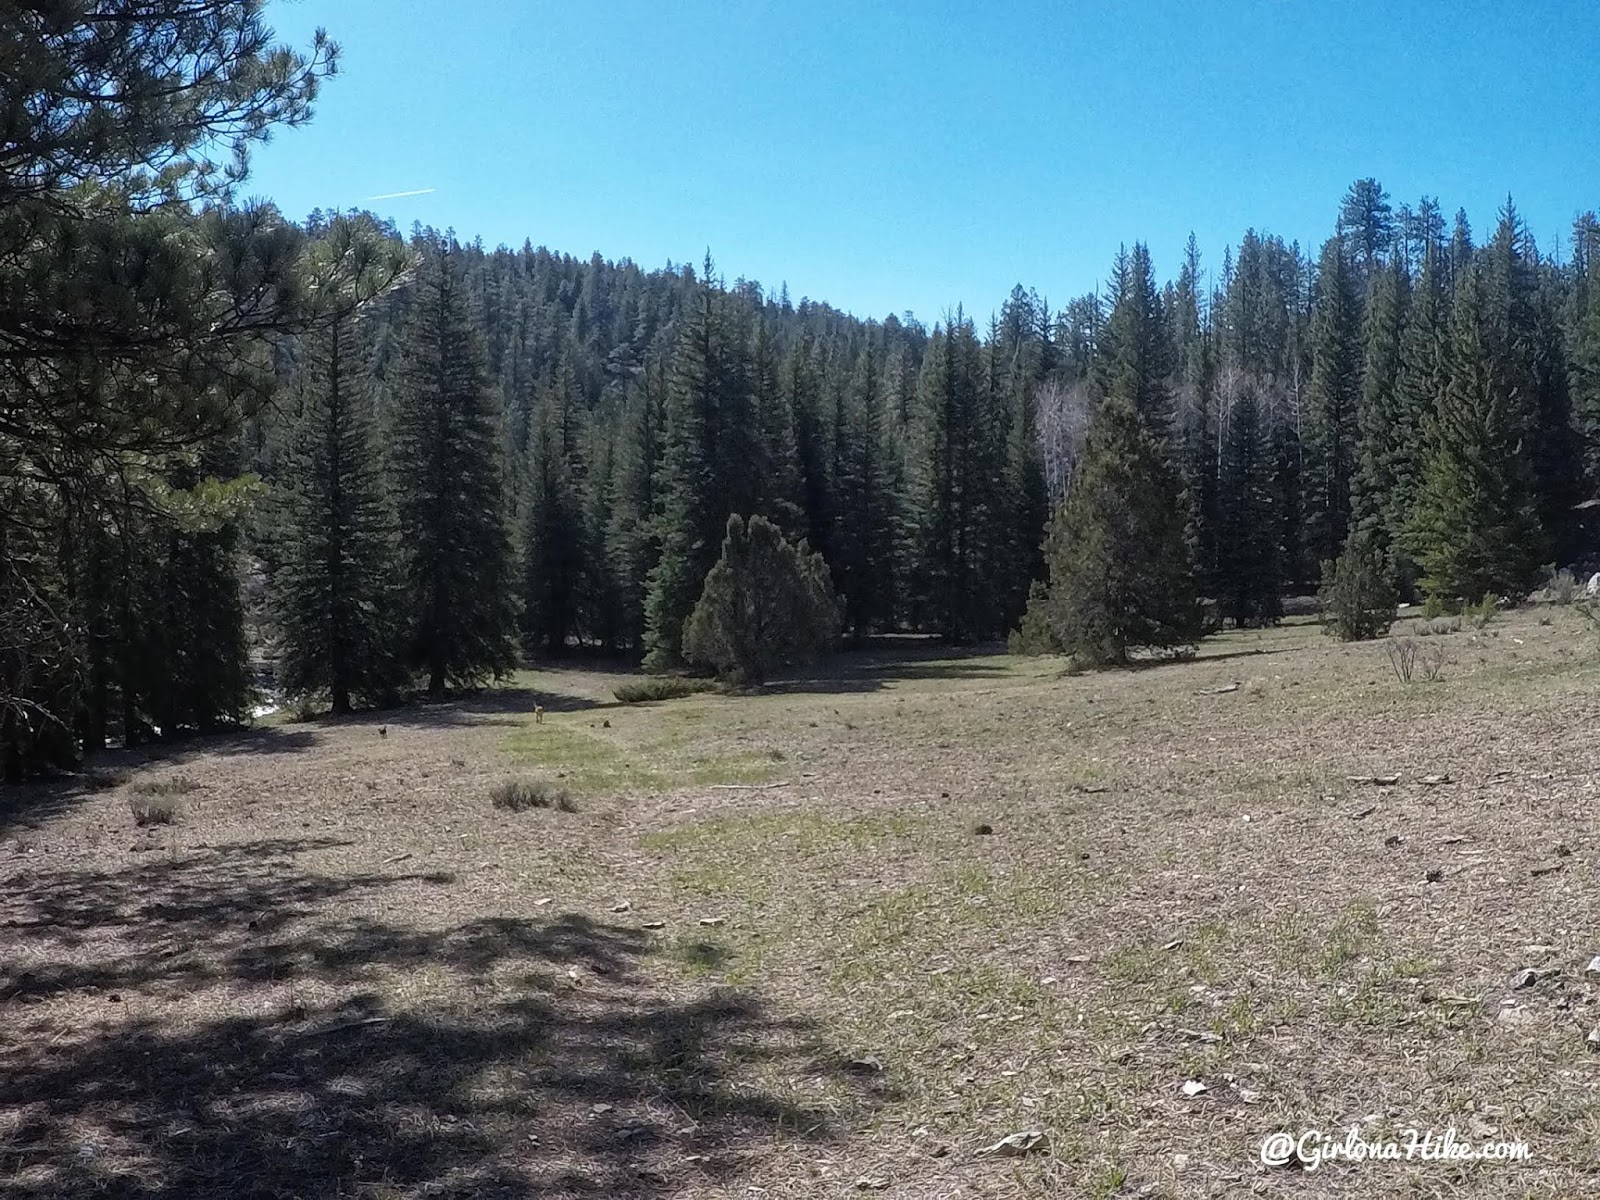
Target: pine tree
[[133, 301], [766, 604], [1332, 426], [1421, 236], [1249, 572], [1200, 462], [861, 503], [553, 528], [459, 571], [1523, 332], [601, 606], [1366, 227], [336, 591], [1121, 579], [1388, 430], [1424, 369], [1458, 258], [1476, 527], [1135, 358], [1357, 599], [957, 454], [41, 688], [803, 385], [897, 422], [1021, 357], [1022, 525], [689, 510], [1583, 367], [1198, 430], [199, 676], [778, 475], [737, 449], [631, 535]]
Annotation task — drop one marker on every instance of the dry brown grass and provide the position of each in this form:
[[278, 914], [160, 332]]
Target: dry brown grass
[[337, 976], [522, 794]]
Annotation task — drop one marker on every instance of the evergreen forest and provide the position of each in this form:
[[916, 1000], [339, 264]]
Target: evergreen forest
[[240, 450]]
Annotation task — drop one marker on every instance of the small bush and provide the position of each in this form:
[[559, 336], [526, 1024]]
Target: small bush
[[1562, 587], [1433, 662], [172, 785], [1484, 611], [519, 795], [659, 687], [1357, 600], [1402, 654], [1435, 607], [154, 808], [1034, 635]]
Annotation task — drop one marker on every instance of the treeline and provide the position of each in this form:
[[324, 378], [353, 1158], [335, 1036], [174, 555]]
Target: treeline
[[381, 463], [1435, 397], [636, 411]]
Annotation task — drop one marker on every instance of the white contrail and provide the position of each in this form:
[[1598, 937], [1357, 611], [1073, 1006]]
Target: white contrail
[[398, 195]]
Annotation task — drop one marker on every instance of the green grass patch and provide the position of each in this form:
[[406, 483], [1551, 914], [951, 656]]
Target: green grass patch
[[700, 955], [588, 760]]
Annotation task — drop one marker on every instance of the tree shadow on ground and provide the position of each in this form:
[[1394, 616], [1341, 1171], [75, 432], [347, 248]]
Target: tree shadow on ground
[[36, 801], [507, 706], [32, 804], [888, 661], [263, 739], [1224, 655], [221, 1025]]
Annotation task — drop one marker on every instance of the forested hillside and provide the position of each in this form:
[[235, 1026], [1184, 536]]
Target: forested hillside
[[372, 463], [1298, 401]]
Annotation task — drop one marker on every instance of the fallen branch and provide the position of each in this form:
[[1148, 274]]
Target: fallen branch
[[748, 787], [341, 1026]]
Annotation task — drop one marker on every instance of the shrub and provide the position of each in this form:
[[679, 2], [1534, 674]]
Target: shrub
[[1034, 635], [1484, 611], [154, 808], [1402, 654], [1562, 587], [519, 795], [659, 687], [1433, 662], [766, 604], [172, 785], [1357, 600]]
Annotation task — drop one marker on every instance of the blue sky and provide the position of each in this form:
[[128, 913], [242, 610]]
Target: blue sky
[[886, 157]]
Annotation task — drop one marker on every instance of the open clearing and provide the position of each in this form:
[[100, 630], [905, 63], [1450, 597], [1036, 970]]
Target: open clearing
[[340, 971]]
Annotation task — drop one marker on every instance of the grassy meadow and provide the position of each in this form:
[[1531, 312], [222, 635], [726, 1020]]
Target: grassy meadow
[[841, 936]]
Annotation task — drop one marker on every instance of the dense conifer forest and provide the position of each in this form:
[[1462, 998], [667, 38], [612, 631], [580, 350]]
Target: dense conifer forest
[[368, 463]]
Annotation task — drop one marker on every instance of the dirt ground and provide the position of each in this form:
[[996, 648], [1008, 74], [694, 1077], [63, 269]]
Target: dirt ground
[[834, 939]]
